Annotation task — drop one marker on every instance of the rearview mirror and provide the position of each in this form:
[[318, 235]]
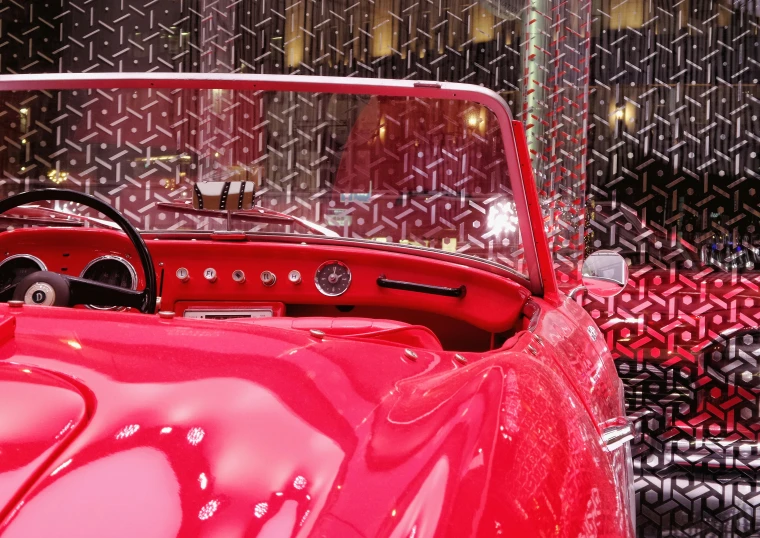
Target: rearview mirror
[[605, 273], [223, 195]]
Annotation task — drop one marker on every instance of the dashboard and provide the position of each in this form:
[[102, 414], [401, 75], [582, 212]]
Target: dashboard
[[226, 277]]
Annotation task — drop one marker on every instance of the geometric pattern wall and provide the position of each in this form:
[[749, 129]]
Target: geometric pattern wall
[[642, 123], [673, 185]]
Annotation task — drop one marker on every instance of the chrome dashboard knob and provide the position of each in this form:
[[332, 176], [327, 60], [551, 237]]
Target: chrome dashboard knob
[[183, 274], [210, 274], [238, 276], [268, 278], [294, 277]]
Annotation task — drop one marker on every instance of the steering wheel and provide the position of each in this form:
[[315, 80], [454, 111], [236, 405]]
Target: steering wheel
[[54, 289]]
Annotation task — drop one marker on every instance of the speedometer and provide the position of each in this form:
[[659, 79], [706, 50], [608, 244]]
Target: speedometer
[[15, 268], [111, 270], [333, 278]]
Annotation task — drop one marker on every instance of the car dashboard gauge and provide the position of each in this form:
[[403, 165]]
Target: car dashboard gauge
[[333, 278], [15, 268]]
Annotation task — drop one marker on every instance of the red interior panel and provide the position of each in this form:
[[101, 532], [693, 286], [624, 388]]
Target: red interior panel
[[492, 303]]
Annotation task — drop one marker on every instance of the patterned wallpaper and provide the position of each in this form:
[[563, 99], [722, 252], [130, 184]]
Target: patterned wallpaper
[[641, 120], [673, 178]]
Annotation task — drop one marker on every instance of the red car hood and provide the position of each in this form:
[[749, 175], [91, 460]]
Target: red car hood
[[222, 429], [40, 412]]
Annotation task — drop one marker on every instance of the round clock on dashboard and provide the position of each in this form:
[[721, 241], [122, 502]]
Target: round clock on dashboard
[[333, 278]]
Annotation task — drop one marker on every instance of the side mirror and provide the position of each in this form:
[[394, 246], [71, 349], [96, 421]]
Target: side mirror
[[605, 273]]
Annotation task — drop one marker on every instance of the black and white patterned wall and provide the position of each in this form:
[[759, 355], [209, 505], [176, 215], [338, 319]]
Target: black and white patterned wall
[[673, 168], [642, 123]]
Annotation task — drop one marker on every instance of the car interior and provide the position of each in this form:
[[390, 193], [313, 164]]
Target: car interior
[[276, 284]]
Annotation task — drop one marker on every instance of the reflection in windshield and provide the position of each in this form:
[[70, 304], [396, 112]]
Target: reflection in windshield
[[422, 172]]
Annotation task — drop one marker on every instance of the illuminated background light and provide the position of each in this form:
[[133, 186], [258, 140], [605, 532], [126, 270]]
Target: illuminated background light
[[57, 177], [502, 218]]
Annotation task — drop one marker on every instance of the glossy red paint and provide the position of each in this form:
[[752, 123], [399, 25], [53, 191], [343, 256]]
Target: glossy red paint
[[275, 431], [545, 260], [40, 414]]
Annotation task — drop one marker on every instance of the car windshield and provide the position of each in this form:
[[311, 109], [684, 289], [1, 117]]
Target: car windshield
[[424, 172]]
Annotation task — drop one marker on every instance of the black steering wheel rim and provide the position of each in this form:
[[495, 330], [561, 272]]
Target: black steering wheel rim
[[65, 195]]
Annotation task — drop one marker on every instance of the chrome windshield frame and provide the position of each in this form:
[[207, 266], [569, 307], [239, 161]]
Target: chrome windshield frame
[[337, 85]]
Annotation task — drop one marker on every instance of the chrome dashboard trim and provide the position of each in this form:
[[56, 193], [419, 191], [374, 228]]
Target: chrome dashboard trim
[[35, 259], [322, 266], [223, 313], [125, 263]]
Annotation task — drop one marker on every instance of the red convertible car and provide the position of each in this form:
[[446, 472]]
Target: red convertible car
[[290, 307]]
